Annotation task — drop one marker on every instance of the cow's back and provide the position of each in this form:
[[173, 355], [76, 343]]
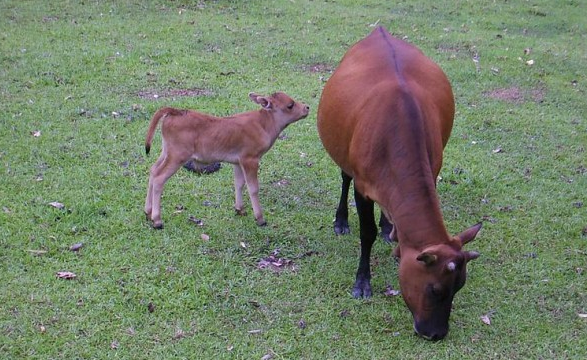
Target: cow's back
[[385, 93]]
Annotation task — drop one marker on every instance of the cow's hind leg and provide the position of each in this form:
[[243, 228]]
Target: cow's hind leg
[[341, 221], [368, 230], [386, 229]]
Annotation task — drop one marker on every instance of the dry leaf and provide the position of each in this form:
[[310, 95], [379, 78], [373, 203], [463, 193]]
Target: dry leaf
[[36, 133], [486, 320], [57, 205], [389, 291], [76, 247], [583, 316], [65, 275], [37, 252], [497, 150], [256, 331], [243, 245], [530, 62], [267, 356], [205, 237], [114, 345]]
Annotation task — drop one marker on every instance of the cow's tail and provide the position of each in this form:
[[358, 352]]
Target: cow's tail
[[155, 121]]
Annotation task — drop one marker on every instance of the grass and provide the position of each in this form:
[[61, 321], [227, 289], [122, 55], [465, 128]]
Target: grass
[[83, 77]]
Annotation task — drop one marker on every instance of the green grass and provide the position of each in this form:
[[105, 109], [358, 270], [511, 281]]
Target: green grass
[[83, 74]]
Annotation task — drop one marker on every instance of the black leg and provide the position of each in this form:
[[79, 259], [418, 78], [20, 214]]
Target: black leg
[[341, 221], [368, 230]]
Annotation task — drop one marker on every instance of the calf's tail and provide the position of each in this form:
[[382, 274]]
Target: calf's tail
[[155, 121]]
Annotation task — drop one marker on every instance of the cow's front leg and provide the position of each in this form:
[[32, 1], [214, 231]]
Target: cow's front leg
[[341, 220], [250, 168], [368, 230]]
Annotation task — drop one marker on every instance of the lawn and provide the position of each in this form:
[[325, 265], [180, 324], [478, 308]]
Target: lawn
[[79, 82]]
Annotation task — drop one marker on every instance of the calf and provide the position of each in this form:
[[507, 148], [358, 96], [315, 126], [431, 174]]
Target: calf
[[240, 139], [385, 116]]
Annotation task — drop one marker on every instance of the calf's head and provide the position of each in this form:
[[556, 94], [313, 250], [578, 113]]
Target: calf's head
[[430, 278], [282, 107]]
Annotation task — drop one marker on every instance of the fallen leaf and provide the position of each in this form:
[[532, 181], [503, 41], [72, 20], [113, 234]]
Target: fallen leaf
[[583, 316], [65, 275], [36, 133], [267, 356], [389, 291], [37, 252], [196, 221], [243, 244], [76, 247], [486, 320], [114, 345], [42, 329], [530, 62], [57, 205], [151, 307], [256, 331], [497, 150], [205, 237], [302, 324]]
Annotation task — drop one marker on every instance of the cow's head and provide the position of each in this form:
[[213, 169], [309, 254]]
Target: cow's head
[[430, 278]]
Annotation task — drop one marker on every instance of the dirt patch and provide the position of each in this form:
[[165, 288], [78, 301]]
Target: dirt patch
[[158, 94], [318, 68], [516, 95]]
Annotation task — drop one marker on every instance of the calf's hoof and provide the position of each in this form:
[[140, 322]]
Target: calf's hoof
[[261, 222], [239, 212], [158, 225]]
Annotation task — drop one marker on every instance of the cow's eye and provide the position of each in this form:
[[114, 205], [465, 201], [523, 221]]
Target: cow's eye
[[290, 106]]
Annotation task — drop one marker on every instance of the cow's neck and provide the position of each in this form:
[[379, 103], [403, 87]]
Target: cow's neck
[[416, 213]]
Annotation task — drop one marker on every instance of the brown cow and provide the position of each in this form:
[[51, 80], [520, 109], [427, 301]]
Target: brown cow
[[384, 117], [240, 139]]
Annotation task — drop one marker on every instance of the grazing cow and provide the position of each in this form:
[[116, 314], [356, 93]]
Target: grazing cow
[[384, 117], [240, 139]]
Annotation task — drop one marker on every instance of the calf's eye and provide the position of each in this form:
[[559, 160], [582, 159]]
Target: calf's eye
[[290, 106]]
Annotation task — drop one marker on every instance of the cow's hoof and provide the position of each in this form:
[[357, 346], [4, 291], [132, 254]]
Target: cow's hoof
[[362, 289], [341, 228]]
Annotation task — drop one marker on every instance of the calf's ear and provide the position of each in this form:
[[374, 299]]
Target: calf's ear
[[261, 100]]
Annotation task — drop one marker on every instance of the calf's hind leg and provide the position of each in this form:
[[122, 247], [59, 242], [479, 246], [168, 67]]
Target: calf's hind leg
[[160, 173]]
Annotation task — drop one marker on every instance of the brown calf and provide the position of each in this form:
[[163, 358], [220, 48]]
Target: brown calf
[[240, 139], [384, 117]]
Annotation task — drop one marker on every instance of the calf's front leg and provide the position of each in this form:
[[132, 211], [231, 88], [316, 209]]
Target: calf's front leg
[[250, 168], [239, 183]]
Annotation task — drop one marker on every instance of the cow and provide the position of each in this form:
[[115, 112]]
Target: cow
[[240, 139], [384, 117]]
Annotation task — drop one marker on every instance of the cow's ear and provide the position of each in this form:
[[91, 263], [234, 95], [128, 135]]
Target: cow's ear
[[261, 100], [427, 258], [469, 234]]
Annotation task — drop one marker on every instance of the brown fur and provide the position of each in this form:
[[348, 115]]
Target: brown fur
[[241, 140], [384, 117]]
